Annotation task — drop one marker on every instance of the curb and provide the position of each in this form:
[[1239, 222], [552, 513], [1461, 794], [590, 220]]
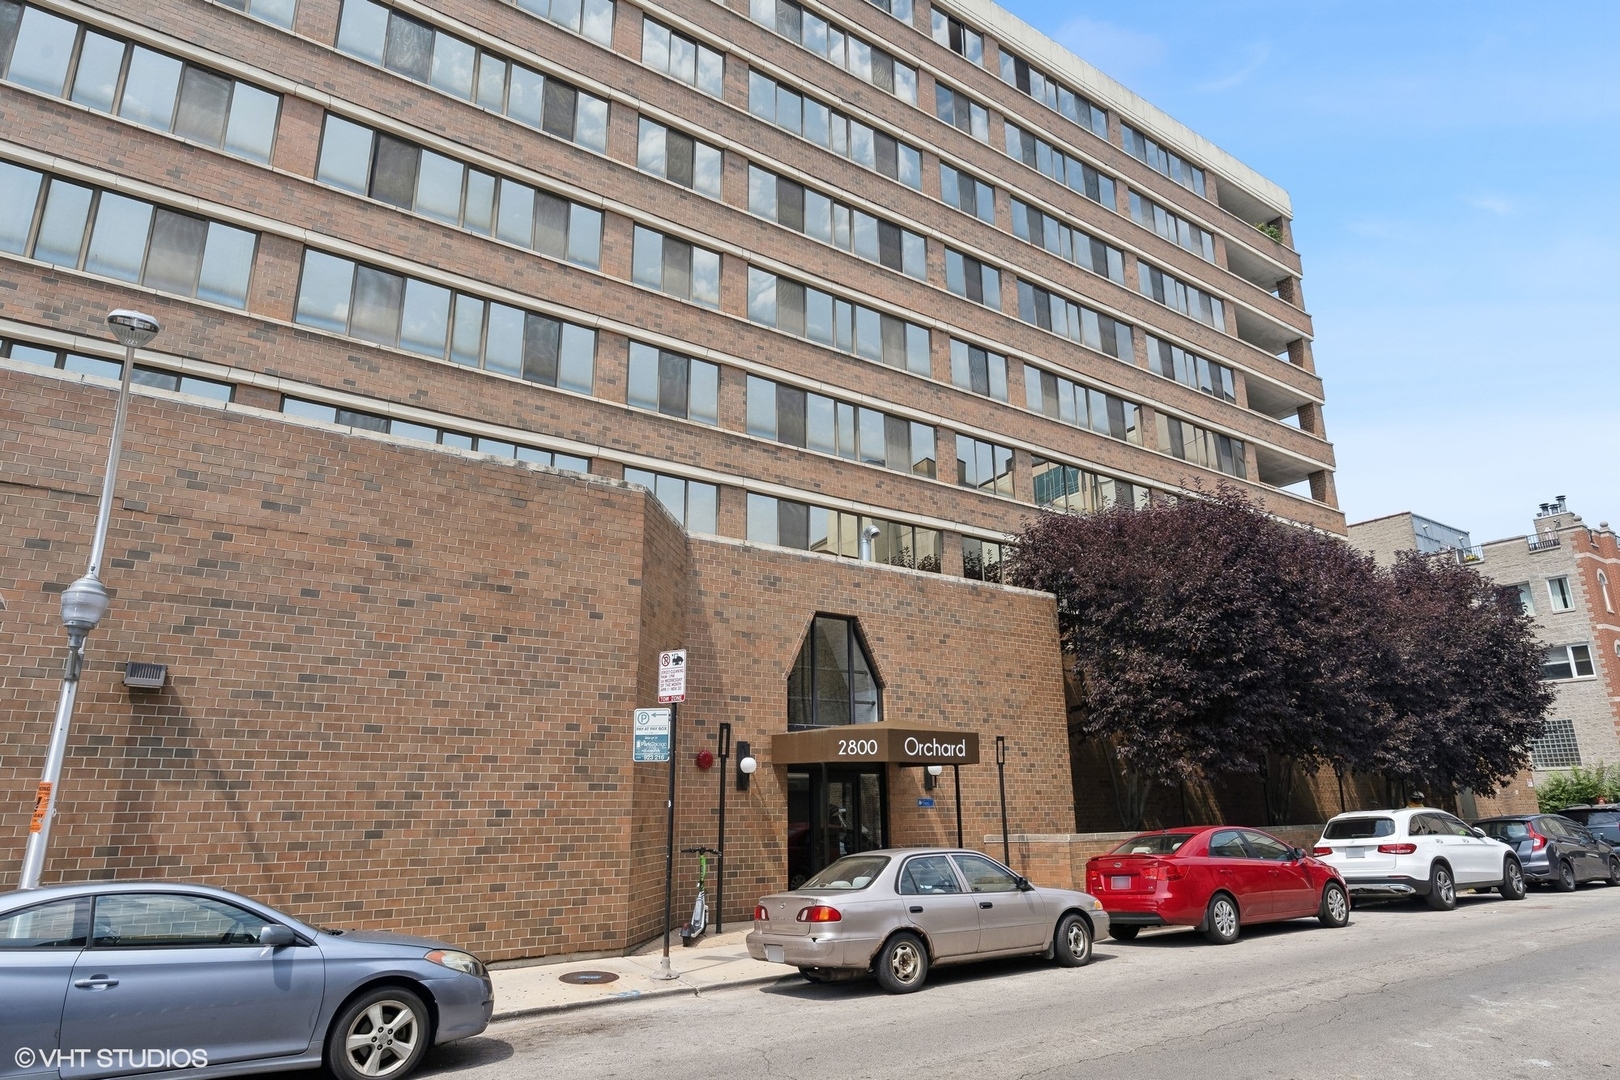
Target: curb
[[638, 995]]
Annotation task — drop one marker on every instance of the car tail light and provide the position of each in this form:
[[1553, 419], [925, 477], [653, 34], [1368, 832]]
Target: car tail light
[[1321, 849], [819, 913], [760, 914], [1162, 872], [1397, 849], [1537, 841]]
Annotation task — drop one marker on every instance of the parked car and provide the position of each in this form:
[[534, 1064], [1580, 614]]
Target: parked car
[[1603, 820], [142, 976], [1395, 854], [1216, 878], [1555, 850], [898, 913]]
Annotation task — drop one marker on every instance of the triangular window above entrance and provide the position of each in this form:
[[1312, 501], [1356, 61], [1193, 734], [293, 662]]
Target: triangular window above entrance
[[832, 681]]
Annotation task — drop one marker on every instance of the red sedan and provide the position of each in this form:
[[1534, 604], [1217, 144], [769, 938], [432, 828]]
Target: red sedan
[[1214, 877]]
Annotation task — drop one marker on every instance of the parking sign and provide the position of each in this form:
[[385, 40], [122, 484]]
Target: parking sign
[[650, 735], [671, 676]]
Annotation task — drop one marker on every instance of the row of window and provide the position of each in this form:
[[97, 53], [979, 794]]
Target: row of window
[[1189, 369], [413, 178], [674, 266], [1162, 161], [57, 56], [102, 232], [1016, 71], [832, 130], [1034, 225], [1052, 311], [985, 466], [675, 385], [1047, 159], [808, 211], [958, 37], [590, 18], [679, 158], [418, 316], [1174, 293], [798, 309], [279, 12], [961, 112], [973, 280], [694, 504], [1559, 594], [788, 523], [1173, 227], [418, 51], [978, 370], [967, 193], [860, 58], [1070, 402], [1072, 490], [1199, 446], [680, 57], [314, 410], [816, 422], [80, 364]]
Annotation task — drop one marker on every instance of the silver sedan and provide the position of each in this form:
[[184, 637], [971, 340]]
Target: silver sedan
[[896, 913], [108, 979]]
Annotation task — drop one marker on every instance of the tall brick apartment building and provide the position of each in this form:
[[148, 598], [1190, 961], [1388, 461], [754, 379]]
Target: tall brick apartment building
[[445, 286]]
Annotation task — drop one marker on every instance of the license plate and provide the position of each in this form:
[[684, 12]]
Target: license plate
[[776, 954], [1119, 881], [1355, 853]]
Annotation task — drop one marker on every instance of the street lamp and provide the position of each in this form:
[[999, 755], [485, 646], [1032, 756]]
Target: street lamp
[[84, 604]]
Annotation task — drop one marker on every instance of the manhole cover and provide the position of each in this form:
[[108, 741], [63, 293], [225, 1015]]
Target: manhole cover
[[590, 978]]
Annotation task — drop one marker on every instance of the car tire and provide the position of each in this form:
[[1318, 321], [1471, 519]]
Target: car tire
[[1221, 919], [1124, 933], [1072, 945], [1442, 888], [1614, 871], [1565, 882], [902, 964], [364, 1041], [1512, 887], [1335, 909]]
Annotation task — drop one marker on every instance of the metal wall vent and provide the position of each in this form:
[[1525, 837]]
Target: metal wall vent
[[145, 676]]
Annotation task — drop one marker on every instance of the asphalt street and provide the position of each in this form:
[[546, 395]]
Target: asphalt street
[[1493, 989]]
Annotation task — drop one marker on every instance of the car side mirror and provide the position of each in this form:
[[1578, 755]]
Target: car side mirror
[[1479, 834], [1024, 885], [1297, 853], [276, 935]]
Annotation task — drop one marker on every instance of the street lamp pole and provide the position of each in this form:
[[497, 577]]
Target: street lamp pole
[[84, 604]]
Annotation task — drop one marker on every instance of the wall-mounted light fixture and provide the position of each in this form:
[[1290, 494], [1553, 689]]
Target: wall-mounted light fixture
[[931, 776], [746, 765]]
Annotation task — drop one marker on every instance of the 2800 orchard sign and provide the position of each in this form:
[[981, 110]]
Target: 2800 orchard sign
[[881, 742]]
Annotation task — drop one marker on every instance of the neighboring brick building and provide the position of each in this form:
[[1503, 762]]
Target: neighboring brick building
[[1568, 577], [803, 272]]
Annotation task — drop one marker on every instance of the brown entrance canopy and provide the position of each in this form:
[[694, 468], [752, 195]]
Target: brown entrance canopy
[[883, 742]]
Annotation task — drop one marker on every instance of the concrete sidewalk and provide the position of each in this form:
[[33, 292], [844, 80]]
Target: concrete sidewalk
[[719, 960]]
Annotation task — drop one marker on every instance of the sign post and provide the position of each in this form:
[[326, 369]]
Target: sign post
[[671, 692]]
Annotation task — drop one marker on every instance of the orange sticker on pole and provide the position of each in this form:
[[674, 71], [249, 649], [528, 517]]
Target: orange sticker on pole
[[42, 803]]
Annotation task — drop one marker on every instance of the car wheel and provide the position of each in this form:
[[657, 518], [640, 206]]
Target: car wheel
[[1512, 887], [1221, 920], [1614, 871], [1442, 888], [380, 1034], [1124, 933], [903, 964], [1566, 876], [1335, 910], [1072, 946]]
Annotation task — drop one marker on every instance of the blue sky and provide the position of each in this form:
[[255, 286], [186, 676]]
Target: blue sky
[[1454, 169]]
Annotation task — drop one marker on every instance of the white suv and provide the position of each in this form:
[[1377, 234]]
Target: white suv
[[1391, 854]]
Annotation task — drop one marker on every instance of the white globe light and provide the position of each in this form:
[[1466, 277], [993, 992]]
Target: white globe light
[[935, 770], [748, 765]]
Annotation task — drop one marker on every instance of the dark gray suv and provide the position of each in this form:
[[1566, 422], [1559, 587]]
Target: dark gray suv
[[1555, 850]]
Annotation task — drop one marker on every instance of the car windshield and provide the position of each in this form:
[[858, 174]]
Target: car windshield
[[1595, 817], [1358, 828], [1153, 844], [1511, 831], [849, 873]]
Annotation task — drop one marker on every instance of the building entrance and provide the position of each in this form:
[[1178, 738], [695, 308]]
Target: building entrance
[[833, 811]]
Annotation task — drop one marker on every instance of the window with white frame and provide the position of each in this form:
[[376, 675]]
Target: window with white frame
[[1558, 590], [1567, 662], [1526, 597], [1603, 590]]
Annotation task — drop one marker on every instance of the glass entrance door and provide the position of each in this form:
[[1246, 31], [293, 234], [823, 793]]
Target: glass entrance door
[[833, 812]]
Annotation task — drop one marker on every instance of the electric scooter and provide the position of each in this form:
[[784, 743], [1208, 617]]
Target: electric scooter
[[692, 931]]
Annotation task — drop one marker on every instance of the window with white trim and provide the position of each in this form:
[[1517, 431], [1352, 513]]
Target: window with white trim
[[1567, 662], [1558, 591]]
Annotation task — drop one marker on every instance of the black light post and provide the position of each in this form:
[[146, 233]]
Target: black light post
[[956, 776], [1001, 779], [720, 859]]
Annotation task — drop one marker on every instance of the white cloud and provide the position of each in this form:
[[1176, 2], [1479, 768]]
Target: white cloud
[[1259, 53], [1491, 204], [1114, 49]]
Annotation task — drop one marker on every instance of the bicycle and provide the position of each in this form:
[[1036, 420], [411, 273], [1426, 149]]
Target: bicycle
[[693, 930]]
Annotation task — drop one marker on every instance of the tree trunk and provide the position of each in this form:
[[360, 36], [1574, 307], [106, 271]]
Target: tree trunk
[[1277, 780], [1131, 790]]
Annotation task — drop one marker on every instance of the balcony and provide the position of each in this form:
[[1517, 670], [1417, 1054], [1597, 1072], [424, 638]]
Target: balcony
[[1542, 541]]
